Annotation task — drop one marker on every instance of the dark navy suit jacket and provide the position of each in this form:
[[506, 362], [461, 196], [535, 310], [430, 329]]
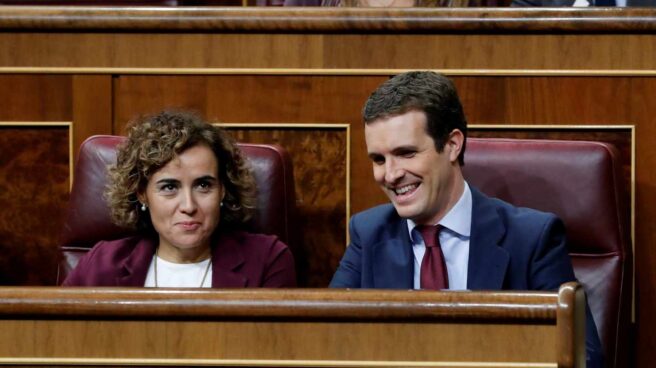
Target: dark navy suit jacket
[[510, 248]]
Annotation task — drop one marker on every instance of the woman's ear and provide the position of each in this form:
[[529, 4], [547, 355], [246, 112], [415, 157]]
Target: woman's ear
[[141, 197], [223, 192]]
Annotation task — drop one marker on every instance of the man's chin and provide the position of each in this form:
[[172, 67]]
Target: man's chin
[[404, 211]]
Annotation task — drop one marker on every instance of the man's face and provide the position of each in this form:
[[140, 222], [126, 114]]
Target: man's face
[[421, 183]]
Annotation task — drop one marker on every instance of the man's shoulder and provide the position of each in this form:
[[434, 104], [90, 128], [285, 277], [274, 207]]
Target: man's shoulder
[[381, 215], [377, 224], [514, 217]]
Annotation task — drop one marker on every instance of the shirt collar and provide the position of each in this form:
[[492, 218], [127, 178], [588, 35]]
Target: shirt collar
[[458, 219]]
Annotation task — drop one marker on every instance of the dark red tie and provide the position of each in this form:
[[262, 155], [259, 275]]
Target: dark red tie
[[433, 273]]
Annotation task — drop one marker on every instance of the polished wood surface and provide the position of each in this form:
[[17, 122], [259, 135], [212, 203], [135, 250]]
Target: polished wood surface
[[34, 184], [448, 50], [313, 19], [291, 327], [566, 68]]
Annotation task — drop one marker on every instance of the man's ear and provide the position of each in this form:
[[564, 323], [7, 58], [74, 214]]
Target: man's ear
[[454, 143]]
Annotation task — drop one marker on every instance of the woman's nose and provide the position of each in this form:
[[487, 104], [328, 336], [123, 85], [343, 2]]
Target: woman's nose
[[188, 202]]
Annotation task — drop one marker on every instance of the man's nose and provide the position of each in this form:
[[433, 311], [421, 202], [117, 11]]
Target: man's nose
[[393, 172]]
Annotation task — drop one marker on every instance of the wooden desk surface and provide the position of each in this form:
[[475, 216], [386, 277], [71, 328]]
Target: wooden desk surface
[[290, 328]]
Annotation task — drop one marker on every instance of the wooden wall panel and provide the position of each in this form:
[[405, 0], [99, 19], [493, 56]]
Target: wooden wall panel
[[301, 99], [35, 97], [34, 175], [92, 107], [34, 182], [349, 51], [319, 158]]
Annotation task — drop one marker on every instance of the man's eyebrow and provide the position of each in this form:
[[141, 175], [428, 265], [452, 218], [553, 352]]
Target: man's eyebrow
[[400, 149]]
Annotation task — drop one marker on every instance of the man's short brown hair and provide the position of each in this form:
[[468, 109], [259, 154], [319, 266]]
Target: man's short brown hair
[[429, 92]]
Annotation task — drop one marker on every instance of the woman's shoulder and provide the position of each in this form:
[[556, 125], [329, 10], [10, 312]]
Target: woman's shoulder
[[115, 249], [104, 260], [247, 240]]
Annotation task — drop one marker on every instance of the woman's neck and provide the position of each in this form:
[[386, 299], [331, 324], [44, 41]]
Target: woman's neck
[[174, 254]]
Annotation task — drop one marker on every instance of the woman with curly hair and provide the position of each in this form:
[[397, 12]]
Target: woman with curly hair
[[185, 187]]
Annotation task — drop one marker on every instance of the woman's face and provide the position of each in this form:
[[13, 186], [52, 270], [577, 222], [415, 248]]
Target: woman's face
[[183, 199]]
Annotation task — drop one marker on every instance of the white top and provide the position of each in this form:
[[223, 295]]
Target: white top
[[171, 274], [454, 239]]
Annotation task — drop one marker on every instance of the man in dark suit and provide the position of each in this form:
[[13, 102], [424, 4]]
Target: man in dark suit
[[438, 232]]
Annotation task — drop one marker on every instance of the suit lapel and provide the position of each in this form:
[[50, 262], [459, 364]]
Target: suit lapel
[[393, 260], [227, 257], [135, 268], [487, 260]]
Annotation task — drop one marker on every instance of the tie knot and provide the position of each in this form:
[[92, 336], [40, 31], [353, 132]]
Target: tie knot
[[429, 233]]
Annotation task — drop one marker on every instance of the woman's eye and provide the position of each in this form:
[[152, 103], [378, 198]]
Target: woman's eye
[[168, 188], [204, 186]]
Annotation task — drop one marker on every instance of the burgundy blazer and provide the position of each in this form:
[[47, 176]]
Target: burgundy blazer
[[239, 260]]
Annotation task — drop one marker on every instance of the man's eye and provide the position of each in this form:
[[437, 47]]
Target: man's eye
[[409, 154], [378, 160]]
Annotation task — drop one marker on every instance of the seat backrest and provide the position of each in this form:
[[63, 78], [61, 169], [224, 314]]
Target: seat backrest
[[88, 220], [581, 183]]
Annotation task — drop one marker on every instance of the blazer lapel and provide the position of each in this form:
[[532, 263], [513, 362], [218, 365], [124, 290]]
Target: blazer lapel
[[488, 262], [393, 260], [135, 267], [227, 257]]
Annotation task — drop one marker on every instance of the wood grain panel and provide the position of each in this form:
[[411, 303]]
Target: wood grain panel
[[551, 100], [319, 159], [361, 51], [92, 107], [352, 328], [313, 341], [35, 97], [34, 182], [247, 98], [331, 20]]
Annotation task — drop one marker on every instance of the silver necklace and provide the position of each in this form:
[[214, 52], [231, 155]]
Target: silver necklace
[[207, 269]]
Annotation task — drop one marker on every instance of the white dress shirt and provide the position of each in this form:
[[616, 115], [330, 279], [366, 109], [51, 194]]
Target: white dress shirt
[[454, 240]]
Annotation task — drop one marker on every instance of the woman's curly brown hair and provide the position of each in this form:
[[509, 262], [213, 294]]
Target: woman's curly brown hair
[[152, 142]]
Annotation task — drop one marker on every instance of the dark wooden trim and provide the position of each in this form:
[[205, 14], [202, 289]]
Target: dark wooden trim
[[298, 304], [571, 325], [328, 20]]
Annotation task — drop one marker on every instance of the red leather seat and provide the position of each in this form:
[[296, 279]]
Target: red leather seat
[[581, 183], [88, 218]]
